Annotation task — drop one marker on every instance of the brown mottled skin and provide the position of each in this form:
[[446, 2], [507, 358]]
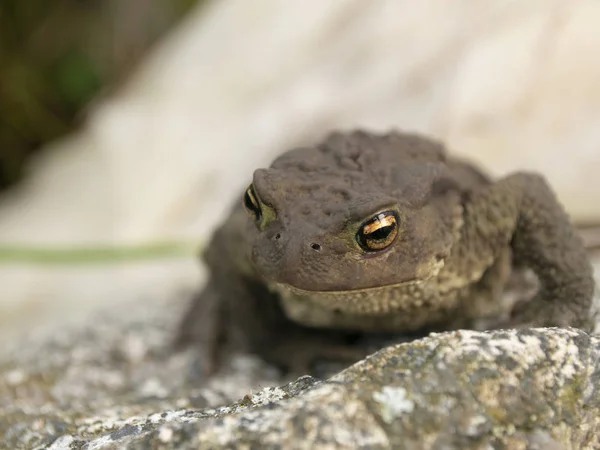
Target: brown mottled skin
[[296, 285]]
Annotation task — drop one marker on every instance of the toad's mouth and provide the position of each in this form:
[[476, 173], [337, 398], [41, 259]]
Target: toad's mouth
[[303, 292], [302, 305], [409, 284], [321, 288]]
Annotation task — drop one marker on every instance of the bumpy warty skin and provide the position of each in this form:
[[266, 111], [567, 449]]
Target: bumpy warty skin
[[299, 270]]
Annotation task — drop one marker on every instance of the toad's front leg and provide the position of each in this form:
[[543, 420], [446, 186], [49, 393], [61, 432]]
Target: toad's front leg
[[522, 211], [234, 313]]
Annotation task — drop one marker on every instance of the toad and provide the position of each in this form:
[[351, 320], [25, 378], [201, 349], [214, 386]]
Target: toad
[[381, 233]]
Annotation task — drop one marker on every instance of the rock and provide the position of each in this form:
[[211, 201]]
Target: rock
[[115, 383]]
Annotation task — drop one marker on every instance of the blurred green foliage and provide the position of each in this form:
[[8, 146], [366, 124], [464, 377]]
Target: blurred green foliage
[[55, 256], [57, 55]]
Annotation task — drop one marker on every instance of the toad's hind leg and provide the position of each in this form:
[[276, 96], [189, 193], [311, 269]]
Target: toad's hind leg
[[522, 211]]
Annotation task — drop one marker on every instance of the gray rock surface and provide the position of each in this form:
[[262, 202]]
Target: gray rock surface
[[114, 383]]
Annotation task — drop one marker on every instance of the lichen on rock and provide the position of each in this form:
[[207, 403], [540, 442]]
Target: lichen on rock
[[115, 383]]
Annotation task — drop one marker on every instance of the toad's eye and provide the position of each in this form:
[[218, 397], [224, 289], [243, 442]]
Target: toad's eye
[[251, 203], [378, 232]]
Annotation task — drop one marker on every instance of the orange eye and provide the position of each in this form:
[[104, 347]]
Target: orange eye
[[251, 203], [378, 232]]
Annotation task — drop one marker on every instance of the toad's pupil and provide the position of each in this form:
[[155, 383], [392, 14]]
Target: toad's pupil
[[248, 200], [251, 204], [381, 233]]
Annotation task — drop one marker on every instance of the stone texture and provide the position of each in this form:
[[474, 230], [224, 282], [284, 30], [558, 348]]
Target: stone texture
[[113, 382]]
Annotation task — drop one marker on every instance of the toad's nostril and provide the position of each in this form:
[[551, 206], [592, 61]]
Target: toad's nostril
[[315, 247], [277, 236]]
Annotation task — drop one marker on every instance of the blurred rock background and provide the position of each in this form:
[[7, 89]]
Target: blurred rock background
[[127, 129]]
